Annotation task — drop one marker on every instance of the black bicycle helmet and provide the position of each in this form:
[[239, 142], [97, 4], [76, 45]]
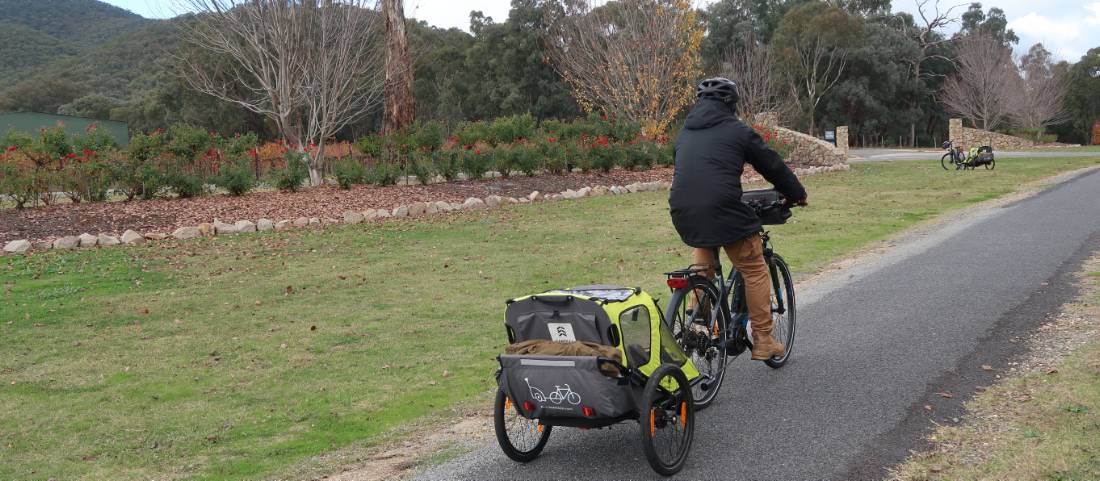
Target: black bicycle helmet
[[718, 88]]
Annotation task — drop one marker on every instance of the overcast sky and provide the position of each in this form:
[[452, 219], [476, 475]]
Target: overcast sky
[[1067, 27]]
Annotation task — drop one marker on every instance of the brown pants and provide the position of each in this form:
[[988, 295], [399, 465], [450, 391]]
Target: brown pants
[[747, 255]]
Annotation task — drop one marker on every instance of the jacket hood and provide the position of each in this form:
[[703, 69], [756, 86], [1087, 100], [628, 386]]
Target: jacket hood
[[708, 113]]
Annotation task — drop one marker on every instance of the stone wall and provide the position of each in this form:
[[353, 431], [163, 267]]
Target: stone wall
[[808, 151], [967, 137]]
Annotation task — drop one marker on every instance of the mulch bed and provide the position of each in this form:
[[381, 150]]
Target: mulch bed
[[165, 215]]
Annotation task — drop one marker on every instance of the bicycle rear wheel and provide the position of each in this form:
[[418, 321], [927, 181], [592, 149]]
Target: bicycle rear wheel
[[699, 326], [783, 309]]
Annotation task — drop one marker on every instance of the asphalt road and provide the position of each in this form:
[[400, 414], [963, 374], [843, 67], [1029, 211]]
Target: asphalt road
[[875, 345], [880, 155]]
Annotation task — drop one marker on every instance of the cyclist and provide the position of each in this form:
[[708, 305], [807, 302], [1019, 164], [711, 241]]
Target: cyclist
[[705, 201]]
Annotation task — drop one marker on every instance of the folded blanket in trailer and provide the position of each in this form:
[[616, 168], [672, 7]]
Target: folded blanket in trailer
[[546, 347]]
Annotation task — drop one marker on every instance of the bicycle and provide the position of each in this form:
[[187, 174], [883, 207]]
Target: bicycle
[[954, 156], [703, 330], [967, 161]]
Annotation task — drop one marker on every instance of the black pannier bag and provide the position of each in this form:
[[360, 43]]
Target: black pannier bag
[[768, 205]]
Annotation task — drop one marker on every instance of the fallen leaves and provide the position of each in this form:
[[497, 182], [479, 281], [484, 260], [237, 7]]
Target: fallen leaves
[[164, 215]]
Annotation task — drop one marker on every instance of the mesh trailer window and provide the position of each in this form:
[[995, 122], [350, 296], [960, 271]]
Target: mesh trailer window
[[634, 323]]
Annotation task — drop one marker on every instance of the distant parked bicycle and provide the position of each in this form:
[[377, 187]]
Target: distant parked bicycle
[[963, 160]]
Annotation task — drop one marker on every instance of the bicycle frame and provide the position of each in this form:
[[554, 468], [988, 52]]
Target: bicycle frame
[[736, 311], [958, 156]]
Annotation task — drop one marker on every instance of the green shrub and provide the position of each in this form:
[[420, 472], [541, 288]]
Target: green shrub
[[237, 177], [86, 181], [470, 133], [605, 157], [447, 164], [22, 185], [188, 142], [666, 154], [623, 130], [504, 160], [95, 140], [422, 168], [184, 184], [579, 156], [133, 178], [55, 142], [552, 156], [528, 159], [239, 145], [371, 146], [639, 156], [505, 130], [475, 163], [291, 177], [349, 172], [427, 136], [383, 174], [400, 144]]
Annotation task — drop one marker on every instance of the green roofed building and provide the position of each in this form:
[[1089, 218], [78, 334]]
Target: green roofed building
[[32, 122]]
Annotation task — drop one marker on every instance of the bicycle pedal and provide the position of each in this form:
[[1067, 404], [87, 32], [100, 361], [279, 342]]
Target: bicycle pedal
[[735, 347]]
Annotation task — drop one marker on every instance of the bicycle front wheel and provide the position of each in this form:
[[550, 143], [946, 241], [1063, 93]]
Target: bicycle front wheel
[[947, 160], [699, 326], [783, 309]]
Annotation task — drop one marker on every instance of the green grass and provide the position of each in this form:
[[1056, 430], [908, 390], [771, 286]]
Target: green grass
[[241, 358], [1083, 148], [1042, 426]]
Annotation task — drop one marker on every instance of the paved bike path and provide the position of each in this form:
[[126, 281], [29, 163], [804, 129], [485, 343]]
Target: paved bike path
[[872, 350]]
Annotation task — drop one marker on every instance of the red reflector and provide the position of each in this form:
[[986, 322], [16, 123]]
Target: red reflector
[[589, 412], [528, 406], [677, 282]]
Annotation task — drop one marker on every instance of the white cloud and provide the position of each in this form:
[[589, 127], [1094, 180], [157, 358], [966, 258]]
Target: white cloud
[[1061, 36], [455, 13]]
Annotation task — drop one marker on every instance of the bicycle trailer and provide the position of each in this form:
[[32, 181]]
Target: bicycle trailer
[[642, 375]]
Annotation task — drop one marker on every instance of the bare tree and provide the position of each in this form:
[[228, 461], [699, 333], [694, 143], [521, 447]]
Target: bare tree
[[637, 58], [753, 68], [986, 82], [399, 106], [1041, 102], [928, 36], [312, 67]]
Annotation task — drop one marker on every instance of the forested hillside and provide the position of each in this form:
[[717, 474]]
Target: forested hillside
[[39, 32]]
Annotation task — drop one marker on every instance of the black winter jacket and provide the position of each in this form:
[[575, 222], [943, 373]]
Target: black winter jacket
[[711, 152]]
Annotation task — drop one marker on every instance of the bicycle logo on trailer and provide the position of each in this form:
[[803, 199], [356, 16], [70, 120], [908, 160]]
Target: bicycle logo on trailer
[[560, 394]]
